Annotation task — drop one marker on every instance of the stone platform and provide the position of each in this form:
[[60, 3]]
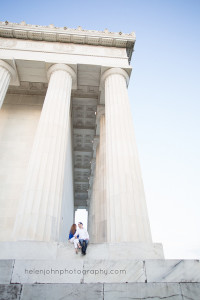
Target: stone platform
[[108, 251], [100, 279], [33, 270]]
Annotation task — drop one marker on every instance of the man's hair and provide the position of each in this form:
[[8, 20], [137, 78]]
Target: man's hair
[[80, 223]]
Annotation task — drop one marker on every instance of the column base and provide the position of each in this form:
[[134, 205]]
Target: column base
[[105, 251]]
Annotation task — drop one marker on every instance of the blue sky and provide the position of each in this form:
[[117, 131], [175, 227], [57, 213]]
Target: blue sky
[[164, 92]]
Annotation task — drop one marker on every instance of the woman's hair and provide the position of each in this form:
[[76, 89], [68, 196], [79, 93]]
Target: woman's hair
[[73, 228]]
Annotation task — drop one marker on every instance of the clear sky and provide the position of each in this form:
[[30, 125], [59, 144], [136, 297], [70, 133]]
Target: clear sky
[[165, 98]]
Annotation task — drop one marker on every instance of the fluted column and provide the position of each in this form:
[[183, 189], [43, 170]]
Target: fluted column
[[39, 213], [6, 73], [127, 217], [90, 199], [95, 198], [94, 194], [102, 233], [100, 200]]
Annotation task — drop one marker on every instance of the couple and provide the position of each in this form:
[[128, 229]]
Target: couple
[[79, 237]]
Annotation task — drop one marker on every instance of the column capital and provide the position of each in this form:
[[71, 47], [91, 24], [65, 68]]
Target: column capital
[[62, 67], [8, 68], [112, 71]]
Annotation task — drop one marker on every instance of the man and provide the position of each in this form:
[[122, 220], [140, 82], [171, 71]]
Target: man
[[83, 237]]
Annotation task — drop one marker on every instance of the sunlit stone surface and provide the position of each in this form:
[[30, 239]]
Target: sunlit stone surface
[[67, 142], [73, 83]]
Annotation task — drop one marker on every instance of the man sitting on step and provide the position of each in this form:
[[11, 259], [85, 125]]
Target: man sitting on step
[[83, 237]]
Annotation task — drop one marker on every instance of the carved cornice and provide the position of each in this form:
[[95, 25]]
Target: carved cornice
[[68, 35]]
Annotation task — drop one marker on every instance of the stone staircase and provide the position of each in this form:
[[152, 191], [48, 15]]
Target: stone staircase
[[99, 275]]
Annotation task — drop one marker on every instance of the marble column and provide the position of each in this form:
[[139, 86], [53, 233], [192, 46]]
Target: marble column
[[89, 203], [102, 190], [100, 200], [6, 73], [95, 199], [94, 193], [39, 213], [127, 217], [90, 198]]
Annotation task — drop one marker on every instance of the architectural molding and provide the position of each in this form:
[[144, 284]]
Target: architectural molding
[[68, 35]]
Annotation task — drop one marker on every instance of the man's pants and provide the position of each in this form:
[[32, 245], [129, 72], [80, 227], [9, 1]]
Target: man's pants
[[84, 244]]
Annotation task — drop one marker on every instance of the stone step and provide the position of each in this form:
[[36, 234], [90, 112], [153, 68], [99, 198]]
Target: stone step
[[53, 250], [98, 271], [100, 291]]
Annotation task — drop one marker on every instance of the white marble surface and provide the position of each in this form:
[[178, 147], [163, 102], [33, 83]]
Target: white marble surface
[[47, 271], [28, 250], [190, 291], [55, 52], [5, 77], [114, 271], [39, 213], [78, 35], [6, 268], [106, 251], [127, 216], [106, 291], [100, 205], [172, 270], [19, 117], [84, 270], [10, 291], [62, 291], [140, 291], [116, 251]]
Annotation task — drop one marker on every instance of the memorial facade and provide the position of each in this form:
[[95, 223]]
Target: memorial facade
[[67, 142], [66, 135]]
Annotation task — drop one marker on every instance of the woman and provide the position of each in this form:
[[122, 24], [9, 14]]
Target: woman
[[74, 239]]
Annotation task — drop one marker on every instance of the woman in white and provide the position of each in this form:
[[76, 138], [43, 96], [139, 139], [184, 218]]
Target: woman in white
[[73, 238]]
